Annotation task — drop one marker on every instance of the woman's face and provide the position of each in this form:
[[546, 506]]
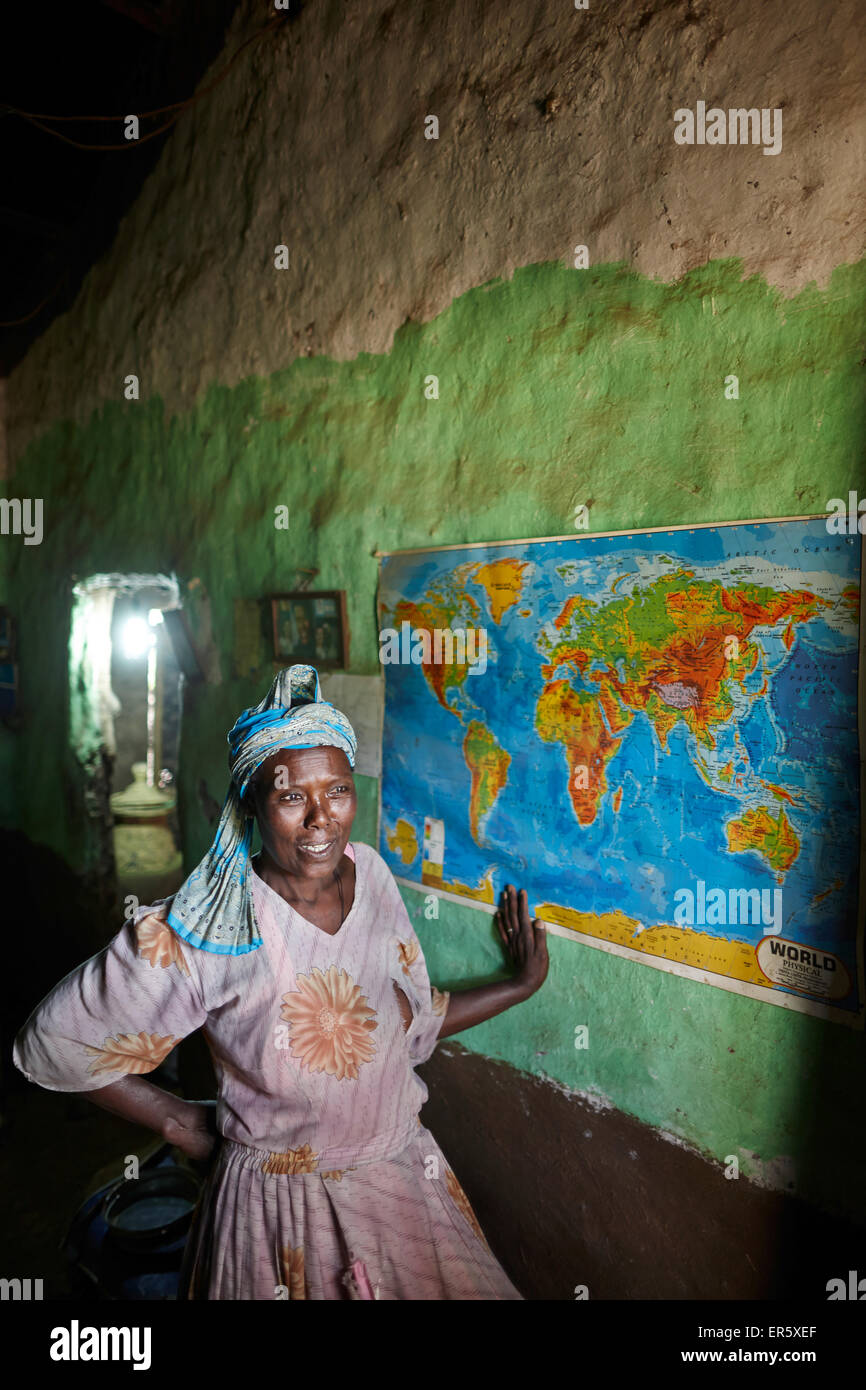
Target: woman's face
[[305, 804]]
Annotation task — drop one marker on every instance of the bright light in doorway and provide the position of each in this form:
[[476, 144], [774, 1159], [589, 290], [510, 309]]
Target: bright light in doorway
[[138, 638]]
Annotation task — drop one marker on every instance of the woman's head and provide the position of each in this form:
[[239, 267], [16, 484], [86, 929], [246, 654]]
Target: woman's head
[[292, 716], [291, 760], [304, 801]]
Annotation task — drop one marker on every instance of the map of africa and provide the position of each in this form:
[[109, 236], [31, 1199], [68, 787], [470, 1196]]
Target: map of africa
[[655, 734]]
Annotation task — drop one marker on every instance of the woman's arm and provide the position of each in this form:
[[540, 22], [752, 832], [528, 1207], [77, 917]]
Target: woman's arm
[[189, 1124], [525, 942]]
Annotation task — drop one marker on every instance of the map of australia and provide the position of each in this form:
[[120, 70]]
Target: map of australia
[[660, 745]]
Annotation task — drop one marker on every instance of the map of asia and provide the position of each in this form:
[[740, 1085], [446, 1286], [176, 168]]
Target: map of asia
[[655, 734]]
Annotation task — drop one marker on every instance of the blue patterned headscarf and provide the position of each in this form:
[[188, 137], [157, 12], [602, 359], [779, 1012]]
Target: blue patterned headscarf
[[213, 909]]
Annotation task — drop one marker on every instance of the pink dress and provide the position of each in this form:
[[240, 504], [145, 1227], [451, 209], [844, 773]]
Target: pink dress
[[326, 1185]]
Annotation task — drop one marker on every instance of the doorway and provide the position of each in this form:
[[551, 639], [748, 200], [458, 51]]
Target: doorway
[[126, 690]]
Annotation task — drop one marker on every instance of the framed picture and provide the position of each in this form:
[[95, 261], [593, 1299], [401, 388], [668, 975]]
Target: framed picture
[[311, 627]]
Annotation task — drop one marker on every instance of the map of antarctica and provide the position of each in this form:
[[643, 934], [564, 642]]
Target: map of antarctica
[[655, 734]]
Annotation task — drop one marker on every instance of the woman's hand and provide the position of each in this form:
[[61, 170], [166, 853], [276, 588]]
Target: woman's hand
[[189, 1124], [193, 1131], [525, 941]]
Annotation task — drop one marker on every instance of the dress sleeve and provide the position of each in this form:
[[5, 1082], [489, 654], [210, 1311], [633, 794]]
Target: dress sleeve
[[118, 1014], [429, 1005]]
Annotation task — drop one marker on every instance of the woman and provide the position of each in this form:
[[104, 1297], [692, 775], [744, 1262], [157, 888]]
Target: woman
[[309, 981]]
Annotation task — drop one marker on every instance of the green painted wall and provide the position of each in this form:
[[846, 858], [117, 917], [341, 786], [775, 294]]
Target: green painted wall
[[556, 388]]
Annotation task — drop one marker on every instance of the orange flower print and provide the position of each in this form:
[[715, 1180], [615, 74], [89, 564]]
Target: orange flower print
[[292, 1271], [408, 953], [330, 1022], [130, 1053], [440, 1000], [158, 944], [293, 1161], [458, 1196], [337, 1173]]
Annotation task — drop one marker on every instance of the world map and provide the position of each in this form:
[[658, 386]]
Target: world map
[[659, 743]]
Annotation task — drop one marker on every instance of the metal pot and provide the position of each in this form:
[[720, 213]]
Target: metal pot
[[151, 1211]]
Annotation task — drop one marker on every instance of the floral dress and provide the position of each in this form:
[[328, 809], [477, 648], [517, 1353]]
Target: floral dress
[[325, 1185]]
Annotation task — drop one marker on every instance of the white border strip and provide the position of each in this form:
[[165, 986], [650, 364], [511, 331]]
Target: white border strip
[[599, 535], [794, 1002]]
